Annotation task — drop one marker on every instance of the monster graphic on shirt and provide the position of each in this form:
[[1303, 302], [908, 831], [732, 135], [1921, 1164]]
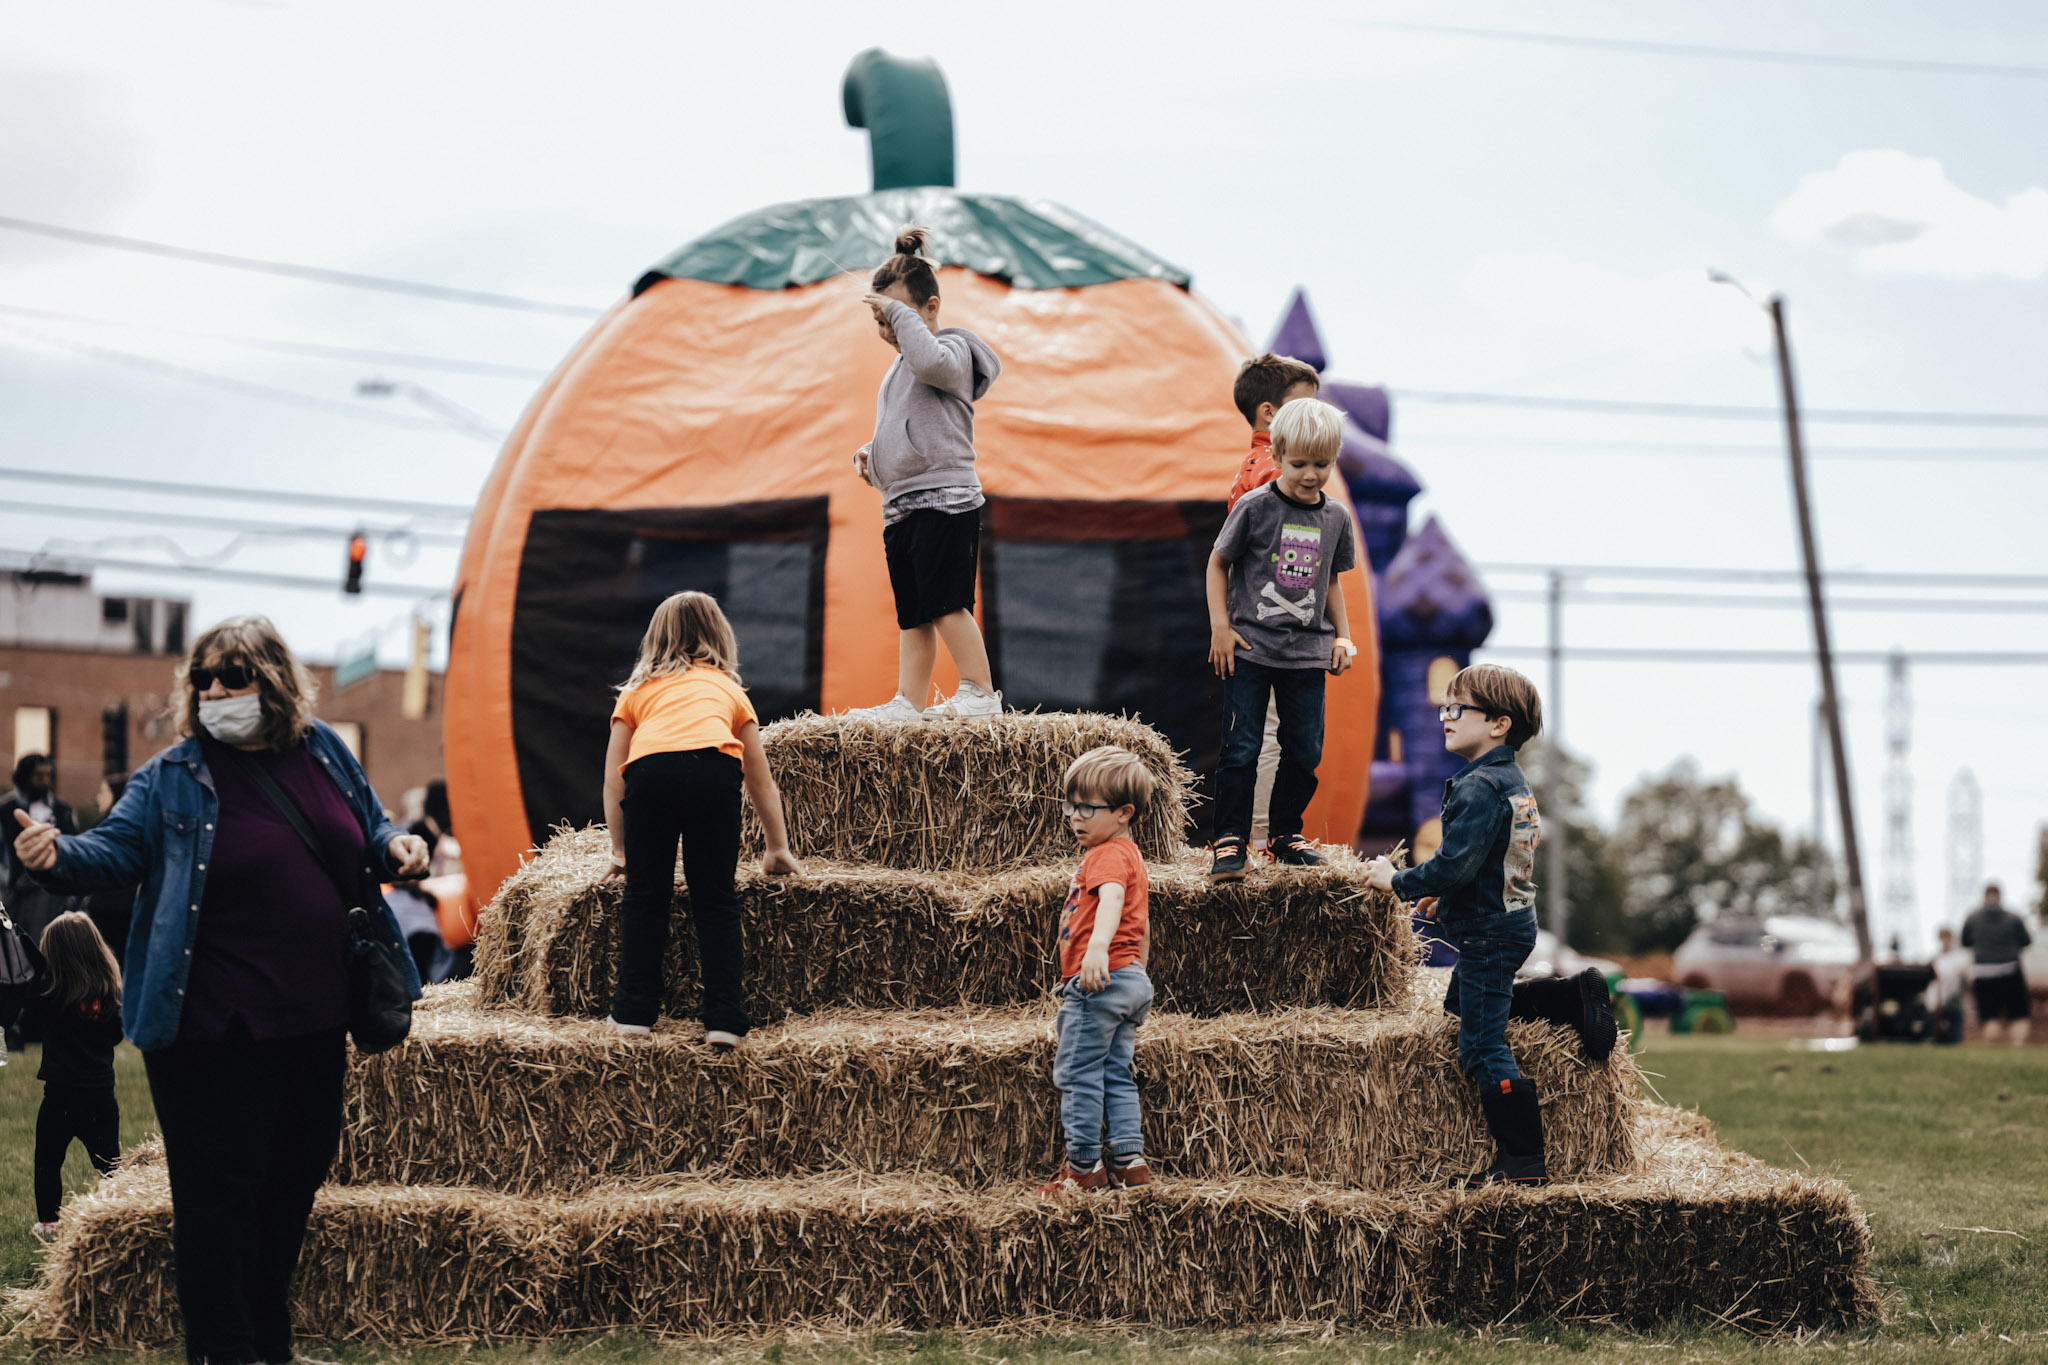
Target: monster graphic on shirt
[[1294, 571]]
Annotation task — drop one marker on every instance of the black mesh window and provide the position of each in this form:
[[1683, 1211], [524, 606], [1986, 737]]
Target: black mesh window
[[1101, 606], [589, 580]]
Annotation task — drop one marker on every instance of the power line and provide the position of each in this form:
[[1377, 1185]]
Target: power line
[[243, 387], [1633, 654], [444, 510], [1875, 578], [1722, 411], [1948, 605], [1915, 65], [1940, 454], [243, 526], [318, 274], [486, 368], [30, 561]]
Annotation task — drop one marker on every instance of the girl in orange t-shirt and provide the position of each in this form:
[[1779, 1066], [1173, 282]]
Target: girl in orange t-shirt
[[684, 740]]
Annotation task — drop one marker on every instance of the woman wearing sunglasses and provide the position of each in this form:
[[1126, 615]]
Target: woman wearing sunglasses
[[236, 987]]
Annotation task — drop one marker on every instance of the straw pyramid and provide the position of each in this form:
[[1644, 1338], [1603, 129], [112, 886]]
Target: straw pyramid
[[515, 1171]]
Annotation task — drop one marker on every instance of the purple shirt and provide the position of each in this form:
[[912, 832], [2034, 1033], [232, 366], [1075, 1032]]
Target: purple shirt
[[270, 956]]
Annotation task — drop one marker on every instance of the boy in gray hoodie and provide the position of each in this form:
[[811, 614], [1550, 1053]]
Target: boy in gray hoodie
[[922, 461]]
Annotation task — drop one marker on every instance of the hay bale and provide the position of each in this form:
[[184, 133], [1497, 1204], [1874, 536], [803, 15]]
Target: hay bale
[[1740, 1243], [527, 1103], [876, 937], [955, 797]]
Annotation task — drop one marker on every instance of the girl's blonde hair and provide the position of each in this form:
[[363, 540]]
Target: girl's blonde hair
[[82, 967], [687, 629], [287, 691]]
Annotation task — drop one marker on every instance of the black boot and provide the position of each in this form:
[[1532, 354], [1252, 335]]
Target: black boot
[[1580, 1002], [1516, 1122]]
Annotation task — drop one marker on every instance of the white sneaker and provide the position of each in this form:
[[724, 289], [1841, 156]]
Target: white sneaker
[[633, 1030], [721, 1040], [969, 703], [44, 1230], [899, 709]]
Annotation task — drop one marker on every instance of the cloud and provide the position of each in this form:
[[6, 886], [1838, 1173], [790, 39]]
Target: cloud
[[1675, 312], [1901, 214]]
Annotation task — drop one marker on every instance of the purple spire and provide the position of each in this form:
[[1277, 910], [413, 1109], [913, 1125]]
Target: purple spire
[[1297, 335], [1431, 598]]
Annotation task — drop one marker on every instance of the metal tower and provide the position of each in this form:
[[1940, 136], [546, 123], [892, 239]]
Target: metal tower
[[1965, 844], [1901, 924]]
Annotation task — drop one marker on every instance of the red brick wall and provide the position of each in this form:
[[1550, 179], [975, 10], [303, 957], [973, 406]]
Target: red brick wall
[[80, 684]]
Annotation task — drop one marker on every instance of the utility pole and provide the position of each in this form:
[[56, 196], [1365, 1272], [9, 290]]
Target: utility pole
[[1821, 908], [1965, 843], [1830, 701], [1553, 785], [1902, 923]]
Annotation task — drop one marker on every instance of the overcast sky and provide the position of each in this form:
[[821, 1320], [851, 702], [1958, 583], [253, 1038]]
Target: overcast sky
[[1466, 213]]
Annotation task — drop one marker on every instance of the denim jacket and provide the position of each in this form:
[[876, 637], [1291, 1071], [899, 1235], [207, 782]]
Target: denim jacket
[[1487, 862], [160, 834]]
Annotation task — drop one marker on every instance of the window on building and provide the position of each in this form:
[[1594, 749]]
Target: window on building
[[351, 733], [144, 620], [113, 609], [35, 731], [174, 628]]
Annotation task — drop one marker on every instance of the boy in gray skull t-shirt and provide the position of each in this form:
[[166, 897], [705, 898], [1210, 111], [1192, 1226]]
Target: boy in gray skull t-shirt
[[1277, 623]]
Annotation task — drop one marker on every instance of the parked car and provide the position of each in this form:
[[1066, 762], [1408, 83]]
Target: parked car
[[1552, 958], [1784, 964]]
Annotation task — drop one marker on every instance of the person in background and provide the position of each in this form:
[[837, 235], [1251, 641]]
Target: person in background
[[111, 910], [29, 905], [237, 982], [80, 1013], [1945, 993], [1997, 937]]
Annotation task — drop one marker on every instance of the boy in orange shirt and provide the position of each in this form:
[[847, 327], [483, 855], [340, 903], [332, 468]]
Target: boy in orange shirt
[[1265, 384], [1105, 937]]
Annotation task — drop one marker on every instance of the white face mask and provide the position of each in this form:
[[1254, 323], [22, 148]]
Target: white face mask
[[233, 720]]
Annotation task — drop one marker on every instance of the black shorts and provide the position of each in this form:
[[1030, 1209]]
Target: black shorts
[[2002, 997], [933, 556]]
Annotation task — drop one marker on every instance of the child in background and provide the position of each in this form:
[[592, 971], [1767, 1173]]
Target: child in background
[[684, 739], [1482, 877], [1265, 384], [922, 461], [1277, 623], [1104, 942], [79, 1011]]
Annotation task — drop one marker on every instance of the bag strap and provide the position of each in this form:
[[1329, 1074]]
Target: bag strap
[[295, 816]]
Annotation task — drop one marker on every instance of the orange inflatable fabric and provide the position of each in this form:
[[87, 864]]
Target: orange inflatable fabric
[[702, 436]]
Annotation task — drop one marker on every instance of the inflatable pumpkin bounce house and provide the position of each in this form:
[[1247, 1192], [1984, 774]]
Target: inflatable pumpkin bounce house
[[701, 436]]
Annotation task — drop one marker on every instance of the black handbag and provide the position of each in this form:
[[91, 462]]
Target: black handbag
[[21, 968], [379, 991]]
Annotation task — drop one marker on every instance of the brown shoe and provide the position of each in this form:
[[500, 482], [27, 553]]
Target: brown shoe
[[1069, 1180], [1130, 1176]]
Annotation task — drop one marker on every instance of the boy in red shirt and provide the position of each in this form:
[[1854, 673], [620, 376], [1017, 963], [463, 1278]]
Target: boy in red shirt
[[1105, 994], [1265, 384]]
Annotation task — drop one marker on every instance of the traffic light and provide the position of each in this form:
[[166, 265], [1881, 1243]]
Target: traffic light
[[358, 549]]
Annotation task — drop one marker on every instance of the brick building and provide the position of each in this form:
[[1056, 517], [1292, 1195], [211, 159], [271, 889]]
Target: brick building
[[87, 678]]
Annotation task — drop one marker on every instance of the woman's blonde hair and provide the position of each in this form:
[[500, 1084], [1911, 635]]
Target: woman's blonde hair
[[82, 967], [287, 690], [686, 630]]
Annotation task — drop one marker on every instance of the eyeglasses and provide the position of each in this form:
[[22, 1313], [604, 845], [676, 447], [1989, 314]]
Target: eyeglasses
[[233, 677], [1451, 710], [1082, 810]]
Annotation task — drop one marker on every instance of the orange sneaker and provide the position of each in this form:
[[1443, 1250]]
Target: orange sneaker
[[1131, 1175], [1069, 1180]]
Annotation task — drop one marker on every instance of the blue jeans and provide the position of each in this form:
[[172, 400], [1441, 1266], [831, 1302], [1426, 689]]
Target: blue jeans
[[1298, 695], [1098, 1036], [1482, 983]]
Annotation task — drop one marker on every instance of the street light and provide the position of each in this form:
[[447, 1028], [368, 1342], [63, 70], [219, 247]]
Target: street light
[[377, 386]]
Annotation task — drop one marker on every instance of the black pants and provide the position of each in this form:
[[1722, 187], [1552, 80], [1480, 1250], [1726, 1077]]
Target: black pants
[[250, 1128], [1298, 694], [85, 1112], [693, 796]]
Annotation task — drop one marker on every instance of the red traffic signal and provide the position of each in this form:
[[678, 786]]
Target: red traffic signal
[[358, 549]]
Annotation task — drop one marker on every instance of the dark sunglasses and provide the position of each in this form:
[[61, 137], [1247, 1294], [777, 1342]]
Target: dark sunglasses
[[233, 677]]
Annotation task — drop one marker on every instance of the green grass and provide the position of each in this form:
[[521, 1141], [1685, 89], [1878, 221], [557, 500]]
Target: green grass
[[1934, 1142]]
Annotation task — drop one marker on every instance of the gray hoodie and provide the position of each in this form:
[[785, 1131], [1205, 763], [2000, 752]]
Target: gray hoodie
[[924, 414]]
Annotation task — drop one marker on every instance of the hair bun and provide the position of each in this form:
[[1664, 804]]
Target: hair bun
[[913, 241]]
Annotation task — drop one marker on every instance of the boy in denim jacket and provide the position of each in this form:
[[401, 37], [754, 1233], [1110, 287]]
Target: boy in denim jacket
[[1481, 879]]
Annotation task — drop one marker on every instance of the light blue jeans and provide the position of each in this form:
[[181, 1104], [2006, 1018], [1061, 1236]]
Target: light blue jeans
[[1098, 1037]]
